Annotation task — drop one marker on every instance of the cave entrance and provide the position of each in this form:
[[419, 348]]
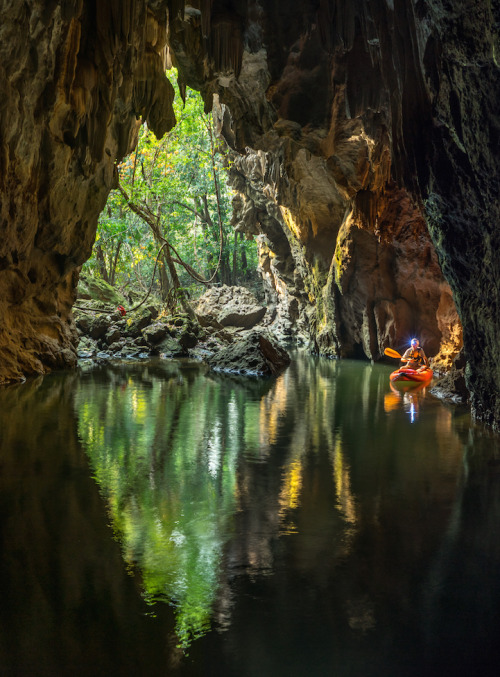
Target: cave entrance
[[168, 229]]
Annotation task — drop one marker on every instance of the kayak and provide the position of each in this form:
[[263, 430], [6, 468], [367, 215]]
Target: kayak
[[408, 377]]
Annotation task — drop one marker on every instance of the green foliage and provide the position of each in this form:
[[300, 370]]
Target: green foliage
[[172, 181], [169, 482]]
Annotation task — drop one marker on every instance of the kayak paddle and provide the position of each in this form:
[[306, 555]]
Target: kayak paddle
[[392, 353]]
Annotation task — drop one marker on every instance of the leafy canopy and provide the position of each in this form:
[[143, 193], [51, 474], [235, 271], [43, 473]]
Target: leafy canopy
[[181, 182]]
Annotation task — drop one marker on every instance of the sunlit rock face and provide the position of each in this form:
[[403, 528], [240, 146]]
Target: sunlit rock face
[[359, 128]]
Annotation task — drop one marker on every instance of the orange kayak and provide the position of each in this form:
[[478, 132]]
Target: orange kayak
[[407, 377]]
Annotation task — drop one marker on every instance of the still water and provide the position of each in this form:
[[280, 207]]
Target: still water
[[158, 519]]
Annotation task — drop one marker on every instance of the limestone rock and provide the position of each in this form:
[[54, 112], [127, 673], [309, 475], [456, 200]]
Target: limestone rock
[[99, 326], [452, 386], [188, 339], [229, 307], [74, 81], [138, 322], [112, 335], [171, 347], [98, 290], [256, 355], [155, 333]]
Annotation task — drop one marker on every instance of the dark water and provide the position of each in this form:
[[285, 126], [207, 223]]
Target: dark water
[[158, 520]]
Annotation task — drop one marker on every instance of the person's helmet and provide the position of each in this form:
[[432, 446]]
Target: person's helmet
[[414, 342]]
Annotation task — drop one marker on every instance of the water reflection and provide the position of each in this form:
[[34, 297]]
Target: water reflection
[[313, 526], [164, 442], [182, 459], [409, 397]]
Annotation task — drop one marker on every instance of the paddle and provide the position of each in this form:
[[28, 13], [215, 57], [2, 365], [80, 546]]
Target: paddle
[[392, 353]]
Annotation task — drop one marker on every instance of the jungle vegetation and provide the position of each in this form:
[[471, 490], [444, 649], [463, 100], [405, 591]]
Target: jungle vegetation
[[168, 223]]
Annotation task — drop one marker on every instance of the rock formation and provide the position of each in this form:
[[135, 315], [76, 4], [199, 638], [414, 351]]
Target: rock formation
[[229, 307], [76, 78], [366, 138]]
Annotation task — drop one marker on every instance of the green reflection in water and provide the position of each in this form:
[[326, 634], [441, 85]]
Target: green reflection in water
[[163, 443], [205, 475]]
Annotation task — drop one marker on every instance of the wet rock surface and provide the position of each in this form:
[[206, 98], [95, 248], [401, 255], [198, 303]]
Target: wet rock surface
[[452, 385], [256, 354]]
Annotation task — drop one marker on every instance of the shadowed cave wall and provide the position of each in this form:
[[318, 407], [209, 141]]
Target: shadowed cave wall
[[365, 140]]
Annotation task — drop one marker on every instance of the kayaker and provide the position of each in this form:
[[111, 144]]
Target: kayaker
[[414, 357]]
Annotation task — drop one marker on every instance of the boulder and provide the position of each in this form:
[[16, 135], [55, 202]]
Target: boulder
[[84, 323], [95, 289], [139, 322], [229, 306], [99, 326], [86, 348], [188, 339], [170, 347], [256, 355], [246, 317], [155, 333], [112, 335]]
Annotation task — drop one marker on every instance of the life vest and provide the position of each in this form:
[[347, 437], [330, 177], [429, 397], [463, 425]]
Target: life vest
[[416, 356]]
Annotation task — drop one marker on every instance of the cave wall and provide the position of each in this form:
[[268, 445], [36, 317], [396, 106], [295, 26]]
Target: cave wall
[[75, 78], [372, 129], [365, 140], [339, 217]]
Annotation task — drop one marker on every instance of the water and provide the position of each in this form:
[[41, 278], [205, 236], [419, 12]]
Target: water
[[156, 519]]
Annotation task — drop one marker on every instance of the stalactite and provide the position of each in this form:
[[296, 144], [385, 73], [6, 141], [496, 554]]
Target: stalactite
[[206, 17], [226, 46]]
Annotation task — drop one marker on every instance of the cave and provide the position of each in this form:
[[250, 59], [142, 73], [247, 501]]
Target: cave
[[365, 139]]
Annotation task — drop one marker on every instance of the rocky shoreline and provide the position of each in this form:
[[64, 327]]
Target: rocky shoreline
[[228, 334]]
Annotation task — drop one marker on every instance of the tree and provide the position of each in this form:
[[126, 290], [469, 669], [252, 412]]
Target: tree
[[173, 190]]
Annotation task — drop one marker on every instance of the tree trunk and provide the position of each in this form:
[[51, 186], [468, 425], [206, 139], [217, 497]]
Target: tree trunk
[[186, 306], [235, 258], [112, 272], [244, 261], [101, 263], [165, 285]]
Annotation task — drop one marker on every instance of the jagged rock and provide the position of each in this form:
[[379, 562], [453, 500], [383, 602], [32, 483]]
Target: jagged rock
[[117, 346], [188, 339], [229, 306], [170, 347], [99, 326], [86, 347], [83, 323], [256, 355], [155, 333], [113, 334], [237, 316], [452, 386], [139, 322], [129, 351]]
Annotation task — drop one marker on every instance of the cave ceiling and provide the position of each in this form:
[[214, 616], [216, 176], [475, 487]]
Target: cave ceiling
[[365, 144]]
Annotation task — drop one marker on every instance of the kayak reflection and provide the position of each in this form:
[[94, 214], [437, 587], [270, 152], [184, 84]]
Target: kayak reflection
[[409, 398]]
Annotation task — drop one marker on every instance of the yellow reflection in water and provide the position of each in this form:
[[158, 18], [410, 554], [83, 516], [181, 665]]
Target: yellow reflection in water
[[272, 407], [392, 401], [341, 474], [139, 406], [292, 485], [289, 497]]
